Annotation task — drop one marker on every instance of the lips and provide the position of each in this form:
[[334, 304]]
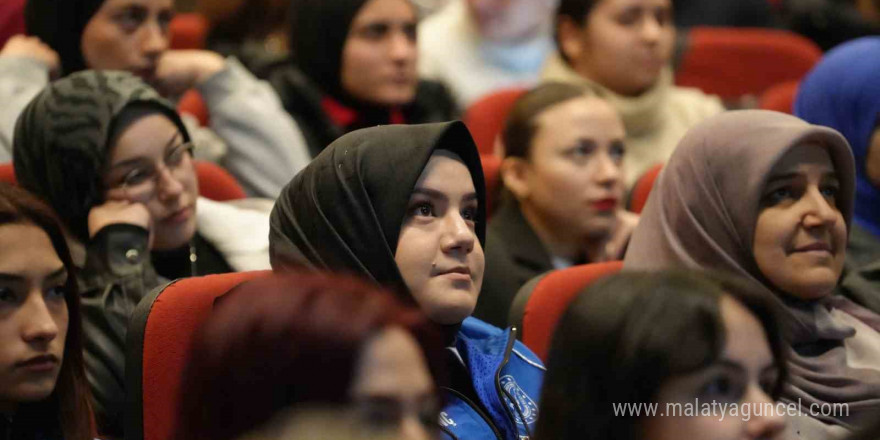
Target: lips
[[179, 216], [815, 247], [606, 204], [37, 364]]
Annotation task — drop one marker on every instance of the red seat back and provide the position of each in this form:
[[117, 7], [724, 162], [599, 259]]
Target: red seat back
[[547, 298], [780, 97], [216, 183], [492, 176], [188, 31], [192, 103], [7, 173], [642, 189], [11, 19], [485, 117], [159, 339], [732, 62]]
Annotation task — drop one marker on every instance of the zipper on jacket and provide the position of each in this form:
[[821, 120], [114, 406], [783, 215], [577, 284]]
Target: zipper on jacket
[[478, 411], [511, 339], [448, 432]]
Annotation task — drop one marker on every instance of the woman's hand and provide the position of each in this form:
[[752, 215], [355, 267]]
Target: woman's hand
[[180, 70], [120, 211], [626, 223], [22, 46]]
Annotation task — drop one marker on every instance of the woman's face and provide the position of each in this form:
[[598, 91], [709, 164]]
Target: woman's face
[[573, 180], [623, 44], [379, 56], [800, 235], [438, 252], [150, 163], [742, 378], [33, 315], [393, 393], [128, 35]]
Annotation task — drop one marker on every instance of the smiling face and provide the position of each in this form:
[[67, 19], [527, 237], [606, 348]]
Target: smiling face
[[438, 252], [128, 35], [150, 164], [800, 235], [33, 315], [379, 56], [622, 45], [572, 182], [744, 374]]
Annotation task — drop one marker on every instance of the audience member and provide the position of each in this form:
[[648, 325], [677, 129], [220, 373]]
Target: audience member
[[842, 92], [620, 50], [114, 158], [769, 198], [475, 47], [404, 206], [564, 204], [674, 340], [265, 147], [354, 66], [312, 342], [43, 389]]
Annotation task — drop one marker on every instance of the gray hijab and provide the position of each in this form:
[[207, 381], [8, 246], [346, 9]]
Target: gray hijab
[[702, 214]]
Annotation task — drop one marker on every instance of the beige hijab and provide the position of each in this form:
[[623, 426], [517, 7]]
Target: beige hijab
[[702, 214]]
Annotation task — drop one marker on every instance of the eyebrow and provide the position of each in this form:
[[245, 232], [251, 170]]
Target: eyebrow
[[136, 160], [58, 274], [795, 175], [434, 194]]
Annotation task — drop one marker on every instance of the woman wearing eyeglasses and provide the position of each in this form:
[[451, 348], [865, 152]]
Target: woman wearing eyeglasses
[[114, 161]]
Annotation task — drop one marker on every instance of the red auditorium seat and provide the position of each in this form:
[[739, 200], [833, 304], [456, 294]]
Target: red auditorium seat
[[492, 176], [159, 337], [540, 304], [485, 117], [642, 189], [192, 103], [188, 31], [11, 19], [215, 182], [733, 62], [780, 97]]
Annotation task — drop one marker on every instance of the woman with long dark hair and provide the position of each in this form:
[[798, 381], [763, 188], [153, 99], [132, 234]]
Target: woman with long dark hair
[[43, 389]]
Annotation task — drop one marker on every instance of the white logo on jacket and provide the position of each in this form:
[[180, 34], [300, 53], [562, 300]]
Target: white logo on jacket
[[528, 410]]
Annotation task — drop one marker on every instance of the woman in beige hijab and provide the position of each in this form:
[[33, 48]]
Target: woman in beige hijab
[[769, 198]]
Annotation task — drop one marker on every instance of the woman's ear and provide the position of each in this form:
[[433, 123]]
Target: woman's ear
[[514, 173], [570, 38]]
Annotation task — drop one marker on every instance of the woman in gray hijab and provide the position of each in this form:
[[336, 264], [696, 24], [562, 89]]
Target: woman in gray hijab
[[769, 198]]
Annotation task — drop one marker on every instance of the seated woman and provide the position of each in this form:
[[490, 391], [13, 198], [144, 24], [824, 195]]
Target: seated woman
[[768, 197], [290, 346], [563, 204], [404, 206], [43, 390], [668, 341], [842, 92], [620, 50], [250, 132], [354, 66], [114, 159]]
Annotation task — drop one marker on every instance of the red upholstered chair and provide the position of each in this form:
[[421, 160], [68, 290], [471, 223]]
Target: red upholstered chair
[[780, 97], [492, 175], [642, 189], [485, 117], [192, 103], [7, 173], [11, 19], [188, 31], [732, 62], [159, 336], [540, 304], [216, 183]]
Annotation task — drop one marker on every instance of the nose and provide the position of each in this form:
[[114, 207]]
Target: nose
[[39, 325], [168, 186], [819, 211], [402, 48], [606, 171], [768, 423], [651, 29], [412, 429], [155, 41], [458, 236]]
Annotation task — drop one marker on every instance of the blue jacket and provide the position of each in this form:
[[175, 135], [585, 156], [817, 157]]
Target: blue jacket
[[507, 378]]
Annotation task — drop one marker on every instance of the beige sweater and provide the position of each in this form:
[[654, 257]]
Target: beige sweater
[[654, 121]]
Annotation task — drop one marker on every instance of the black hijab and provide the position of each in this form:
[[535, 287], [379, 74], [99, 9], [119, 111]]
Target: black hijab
[[344, 211], [60, 24], [62, 139]]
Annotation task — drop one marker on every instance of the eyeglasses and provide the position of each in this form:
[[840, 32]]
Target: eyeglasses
[[142, 181]]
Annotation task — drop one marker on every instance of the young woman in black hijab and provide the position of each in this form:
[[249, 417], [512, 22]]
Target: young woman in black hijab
[[354, 66], [113, 159], [404, 206]]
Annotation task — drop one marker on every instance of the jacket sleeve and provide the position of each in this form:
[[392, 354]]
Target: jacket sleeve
[[116, 275], [266, 147], [21, 79]]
